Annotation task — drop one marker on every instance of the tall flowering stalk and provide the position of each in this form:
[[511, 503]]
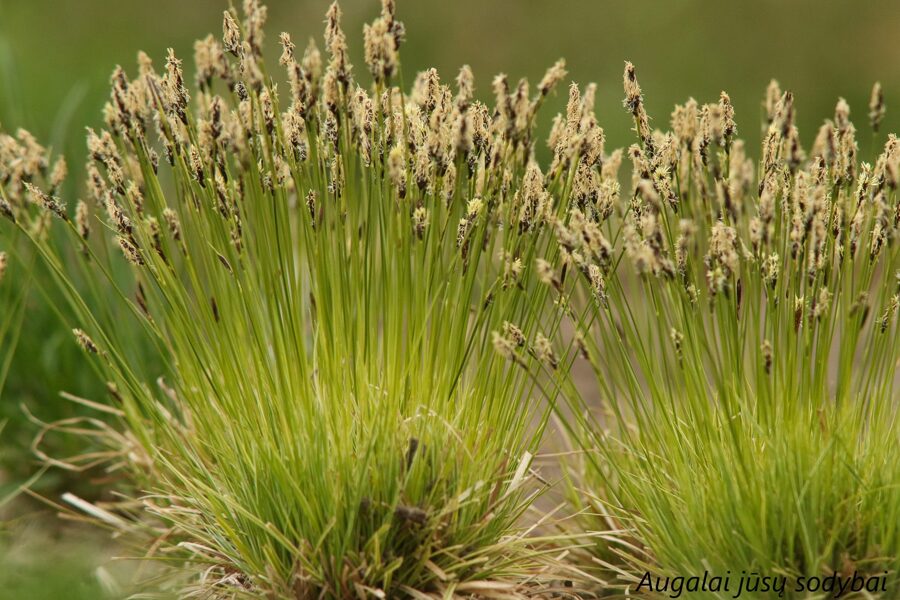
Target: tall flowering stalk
[[325, 268], [741, 321]]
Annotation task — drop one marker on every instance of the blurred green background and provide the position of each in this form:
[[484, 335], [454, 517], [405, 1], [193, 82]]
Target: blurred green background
[[56, 56]]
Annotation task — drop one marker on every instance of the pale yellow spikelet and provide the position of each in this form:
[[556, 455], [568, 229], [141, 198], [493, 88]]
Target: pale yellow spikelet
[[543, 349], [255, 16], [82, 220], [502, 345], [312, 61], [380, 50], [889, 312], [729, 127], [686, 122], [633, 96], [173, 223], [58, 174], [687, 230], [4, 262], [336, 42], [546, 274], [822, 304], [287, 49], [722, 258], [465, 85], [512, 268], [773, 96], [397, 169]]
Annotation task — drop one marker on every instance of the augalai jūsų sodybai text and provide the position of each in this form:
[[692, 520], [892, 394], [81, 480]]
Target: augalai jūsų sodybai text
[[751, 584]]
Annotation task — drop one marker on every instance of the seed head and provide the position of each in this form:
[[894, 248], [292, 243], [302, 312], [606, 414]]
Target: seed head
[[512, 268], [209, 60], [4, 261], [397, 169], [513, 334], [722, 259], [685, 122], [773, 97], [766, 350], [311, 198], [634, 102], [890, 312], [598, 284], [336, 42], [86, 343], [876, 106], [197, 166], [677, 342], [174, 225], [58, 175], [288, 47], [380, 50], [552, 77], [543, 348], [533, 197], [465, 85], [729, 128], [799, 307], [49, 203], [633, 96], [822, 303], [175, 93], [546, 274], [130, 250], [6, 210], [231, 34], [420, 221], [686, 232], [502, 345], [255, 20]]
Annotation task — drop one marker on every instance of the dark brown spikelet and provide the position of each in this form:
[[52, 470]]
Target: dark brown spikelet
[[411, 452], [411, 514]]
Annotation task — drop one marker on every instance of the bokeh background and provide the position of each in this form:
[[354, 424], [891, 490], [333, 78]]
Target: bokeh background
[[56, 57]]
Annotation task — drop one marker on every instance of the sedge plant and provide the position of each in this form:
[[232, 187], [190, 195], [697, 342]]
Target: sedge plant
[[324, 268], [740, 320]]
